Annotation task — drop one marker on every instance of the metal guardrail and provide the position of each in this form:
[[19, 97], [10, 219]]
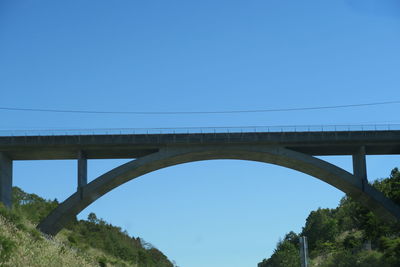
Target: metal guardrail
[[194, 130]]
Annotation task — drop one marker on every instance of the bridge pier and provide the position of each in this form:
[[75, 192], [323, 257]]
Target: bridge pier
[[82, 172], [360, 166], [5, 180]]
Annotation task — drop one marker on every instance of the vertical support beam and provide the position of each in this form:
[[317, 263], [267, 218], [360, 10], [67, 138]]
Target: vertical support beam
[[303, 245], [360, 166], [82, 171], [5, 180]]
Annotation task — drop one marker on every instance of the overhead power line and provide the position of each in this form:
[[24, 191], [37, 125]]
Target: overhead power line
[[198, 112]]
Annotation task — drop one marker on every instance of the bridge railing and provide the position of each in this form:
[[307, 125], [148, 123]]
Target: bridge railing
[[193, 130]]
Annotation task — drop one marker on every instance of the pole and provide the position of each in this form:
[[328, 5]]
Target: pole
[[303, 251]]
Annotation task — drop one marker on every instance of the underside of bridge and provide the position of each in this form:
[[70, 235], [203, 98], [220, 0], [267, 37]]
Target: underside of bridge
[[355, 185]]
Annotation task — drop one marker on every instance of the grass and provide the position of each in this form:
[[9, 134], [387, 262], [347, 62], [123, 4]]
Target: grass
[[25, 246]]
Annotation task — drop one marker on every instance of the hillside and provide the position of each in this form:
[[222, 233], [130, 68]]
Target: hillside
[[347, 236], [91, 242]]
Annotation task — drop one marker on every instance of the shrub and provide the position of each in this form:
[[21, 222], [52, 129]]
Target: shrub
[[6, 248]]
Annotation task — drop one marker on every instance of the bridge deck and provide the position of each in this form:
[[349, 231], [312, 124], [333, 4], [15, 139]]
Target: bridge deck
[[136, 145]]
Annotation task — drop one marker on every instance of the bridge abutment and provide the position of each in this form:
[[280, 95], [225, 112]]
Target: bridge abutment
[[5, 180]]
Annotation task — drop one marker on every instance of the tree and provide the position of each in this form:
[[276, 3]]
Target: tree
[[286, 254], [321, 227], [92, 218]]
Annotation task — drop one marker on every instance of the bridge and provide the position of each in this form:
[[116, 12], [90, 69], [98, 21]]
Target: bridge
[[150, 152]]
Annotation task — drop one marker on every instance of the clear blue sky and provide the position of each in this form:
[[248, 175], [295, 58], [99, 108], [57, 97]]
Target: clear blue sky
[[190, 56]]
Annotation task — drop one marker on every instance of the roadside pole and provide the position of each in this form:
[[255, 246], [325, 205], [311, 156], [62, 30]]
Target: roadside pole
[[303, 251]]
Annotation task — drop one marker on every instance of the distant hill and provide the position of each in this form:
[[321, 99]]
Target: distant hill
[[347, 236], [91, 242]]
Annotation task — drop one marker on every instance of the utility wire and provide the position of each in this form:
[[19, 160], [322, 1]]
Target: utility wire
[[199, 112]]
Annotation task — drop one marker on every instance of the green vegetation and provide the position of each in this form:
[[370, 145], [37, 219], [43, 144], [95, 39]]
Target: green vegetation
[[83, 243], [348, 236]]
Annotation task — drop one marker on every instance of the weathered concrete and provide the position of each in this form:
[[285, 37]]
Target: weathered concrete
[[5, 179], [359, 163], [133, 146], [155, 151], [173, 155], [82, 172], [82, 169]]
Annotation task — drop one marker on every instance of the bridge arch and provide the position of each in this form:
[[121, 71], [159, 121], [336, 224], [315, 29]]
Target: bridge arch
[[170, 156]]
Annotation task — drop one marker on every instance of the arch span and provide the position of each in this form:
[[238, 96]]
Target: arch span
[[170, 156]]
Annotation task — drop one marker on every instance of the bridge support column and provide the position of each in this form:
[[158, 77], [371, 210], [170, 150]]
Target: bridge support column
[[360, 166], [5, 180], [82, 172]]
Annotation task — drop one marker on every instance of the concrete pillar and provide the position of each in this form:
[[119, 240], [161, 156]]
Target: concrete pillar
[[360, 165], [5, 180], [82, 170]]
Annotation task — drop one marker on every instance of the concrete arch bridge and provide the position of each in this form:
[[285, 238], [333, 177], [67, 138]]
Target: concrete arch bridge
[[295, 150]]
